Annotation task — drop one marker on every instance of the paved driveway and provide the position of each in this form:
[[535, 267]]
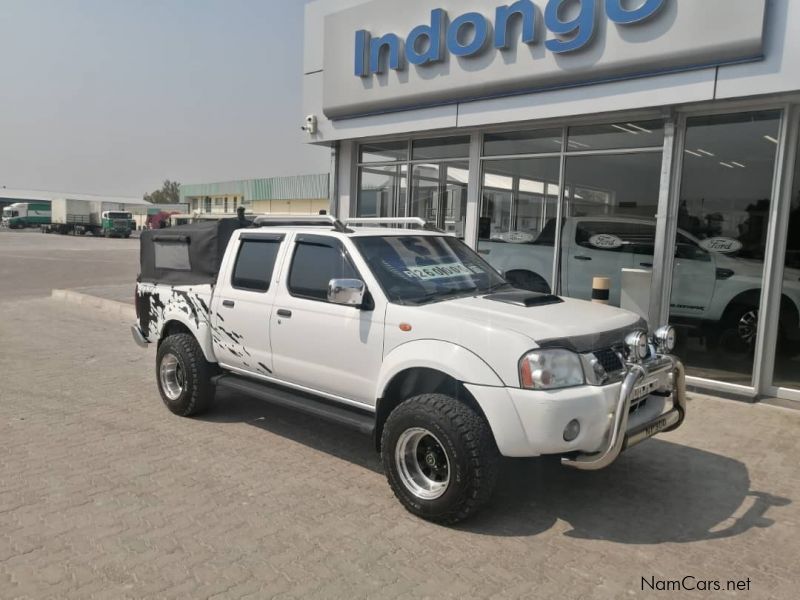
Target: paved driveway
[[105, 494]]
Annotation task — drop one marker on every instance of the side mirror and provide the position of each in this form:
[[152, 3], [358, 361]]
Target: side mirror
[[348, 292]]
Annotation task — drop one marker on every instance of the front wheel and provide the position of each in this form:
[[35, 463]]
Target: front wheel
[[184, 375], [439, 457]]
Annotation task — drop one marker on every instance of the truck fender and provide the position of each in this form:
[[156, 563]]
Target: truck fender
[[201, 331], [456, 361]]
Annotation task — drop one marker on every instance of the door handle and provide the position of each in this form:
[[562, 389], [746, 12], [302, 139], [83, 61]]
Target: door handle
[[583, 258], [228, 303], [282, 312], [645, 264]]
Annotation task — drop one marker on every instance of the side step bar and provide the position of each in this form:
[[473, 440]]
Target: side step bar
[[354, 418]]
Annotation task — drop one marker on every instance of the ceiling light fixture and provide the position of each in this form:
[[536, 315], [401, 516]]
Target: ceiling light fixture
[[724, 164], [639, 127], [706, 152], [769, 138], [738, 164], [693, 153], [625, 129]]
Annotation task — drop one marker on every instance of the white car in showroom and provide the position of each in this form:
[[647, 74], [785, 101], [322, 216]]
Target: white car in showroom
[[712, 288], [407, 335]]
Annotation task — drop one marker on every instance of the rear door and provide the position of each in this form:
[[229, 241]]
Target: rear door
[[325, 347], [243, 301]]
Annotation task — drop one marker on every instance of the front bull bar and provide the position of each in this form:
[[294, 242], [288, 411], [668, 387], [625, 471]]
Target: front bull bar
[[620, 438]]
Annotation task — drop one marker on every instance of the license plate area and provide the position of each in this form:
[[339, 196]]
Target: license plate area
[[645, 389]]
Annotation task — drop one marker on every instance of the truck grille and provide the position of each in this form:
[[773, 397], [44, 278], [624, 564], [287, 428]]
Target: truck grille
[[609, 359]]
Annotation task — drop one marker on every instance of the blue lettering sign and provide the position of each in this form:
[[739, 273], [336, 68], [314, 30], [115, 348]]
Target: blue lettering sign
[[467, 35], [581, 28], [624, 16], [427, 34], [527, 12], [473, 21]]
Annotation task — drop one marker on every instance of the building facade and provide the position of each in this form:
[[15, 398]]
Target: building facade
[[299, 194], [653, 143]]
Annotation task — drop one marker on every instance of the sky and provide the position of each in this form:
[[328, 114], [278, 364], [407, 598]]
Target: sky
[[114, 96]]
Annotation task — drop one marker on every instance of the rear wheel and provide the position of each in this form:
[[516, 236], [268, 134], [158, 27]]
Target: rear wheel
[[184, 375], [439, 457]]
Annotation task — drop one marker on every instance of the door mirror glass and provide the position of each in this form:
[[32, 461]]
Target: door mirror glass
[[348, 292]]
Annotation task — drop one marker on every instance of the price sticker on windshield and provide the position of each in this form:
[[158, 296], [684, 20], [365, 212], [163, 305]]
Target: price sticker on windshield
[[443, 271]]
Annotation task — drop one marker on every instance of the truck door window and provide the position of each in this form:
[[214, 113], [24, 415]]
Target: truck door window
[[616, 236], [255, 264], [313, 266]]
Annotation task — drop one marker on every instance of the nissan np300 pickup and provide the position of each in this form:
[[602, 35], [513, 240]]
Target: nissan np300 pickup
[[407, 335]]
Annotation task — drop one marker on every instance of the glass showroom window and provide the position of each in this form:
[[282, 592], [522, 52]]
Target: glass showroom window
[[787, 358], [725, 196], [613, 195], [439, 194], [382, 179], [519, 201], [439, 189], [610, 205]]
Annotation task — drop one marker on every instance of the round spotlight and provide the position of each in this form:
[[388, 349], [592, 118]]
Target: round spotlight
[[636, 342], [572, 430], [665, 338]]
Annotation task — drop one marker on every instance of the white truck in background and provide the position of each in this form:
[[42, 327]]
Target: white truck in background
[[79, 217], [713, 289]]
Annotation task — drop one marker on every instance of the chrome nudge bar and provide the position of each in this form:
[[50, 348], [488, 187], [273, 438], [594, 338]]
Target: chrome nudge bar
[[619, 438]]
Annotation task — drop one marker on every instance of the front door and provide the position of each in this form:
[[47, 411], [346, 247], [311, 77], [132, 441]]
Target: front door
[[325, 347]]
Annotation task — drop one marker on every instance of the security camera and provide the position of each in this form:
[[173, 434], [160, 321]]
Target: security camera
[[311, 125]]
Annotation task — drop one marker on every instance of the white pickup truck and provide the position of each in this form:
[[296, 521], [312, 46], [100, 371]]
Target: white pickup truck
[[712, 288], [405, 334]]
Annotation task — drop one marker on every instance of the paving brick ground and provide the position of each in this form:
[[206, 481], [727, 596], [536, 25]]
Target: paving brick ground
[[104, 494]]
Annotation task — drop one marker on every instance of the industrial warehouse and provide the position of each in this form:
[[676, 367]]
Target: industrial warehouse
[[662, 138]]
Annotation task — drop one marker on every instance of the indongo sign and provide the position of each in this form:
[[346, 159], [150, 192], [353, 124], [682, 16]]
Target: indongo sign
[[468, 34], [386, 55]]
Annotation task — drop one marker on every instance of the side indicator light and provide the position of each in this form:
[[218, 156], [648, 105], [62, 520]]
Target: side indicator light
[[405, 327]]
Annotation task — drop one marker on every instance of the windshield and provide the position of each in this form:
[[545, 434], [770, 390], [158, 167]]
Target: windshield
[[118, 215], [414, 269]]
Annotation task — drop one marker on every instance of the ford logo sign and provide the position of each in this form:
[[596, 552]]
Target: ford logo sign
[[722, 245]]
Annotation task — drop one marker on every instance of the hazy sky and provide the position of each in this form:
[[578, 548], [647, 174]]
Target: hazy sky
[[114, 96]]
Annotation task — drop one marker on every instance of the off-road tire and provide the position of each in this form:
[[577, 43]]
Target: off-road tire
[[198, 391], [471, 451]]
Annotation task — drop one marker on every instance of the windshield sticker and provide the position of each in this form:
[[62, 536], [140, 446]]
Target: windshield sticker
[[605, 241], [722, 245], [443, 271]]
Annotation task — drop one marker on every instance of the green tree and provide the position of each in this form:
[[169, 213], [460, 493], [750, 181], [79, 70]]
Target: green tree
[[170, 193]]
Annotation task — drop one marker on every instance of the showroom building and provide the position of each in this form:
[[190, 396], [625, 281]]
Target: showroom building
[[649, 141]]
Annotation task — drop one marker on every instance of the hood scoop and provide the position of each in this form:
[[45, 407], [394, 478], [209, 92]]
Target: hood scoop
[[524, 298]]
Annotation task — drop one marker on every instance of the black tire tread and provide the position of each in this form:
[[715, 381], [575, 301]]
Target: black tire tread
[[202, 390], [475, 435]]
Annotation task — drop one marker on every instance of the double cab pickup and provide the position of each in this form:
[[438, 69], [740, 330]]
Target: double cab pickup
[[405, 334]]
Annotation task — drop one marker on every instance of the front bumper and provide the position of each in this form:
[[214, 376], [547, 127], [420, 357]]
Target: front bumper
[[620, 437], [529, 423]]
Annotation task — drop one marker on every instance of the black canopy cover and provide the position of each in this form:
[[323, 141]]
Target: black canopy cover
[[187, 254]]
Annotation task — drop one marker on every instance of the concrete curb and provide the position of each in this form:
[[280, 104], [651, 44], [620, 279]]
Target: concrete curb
[[109, 307]]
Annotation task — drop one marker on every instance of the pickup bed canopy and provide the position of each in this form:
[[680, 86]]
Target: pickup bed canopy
[[187, 254]]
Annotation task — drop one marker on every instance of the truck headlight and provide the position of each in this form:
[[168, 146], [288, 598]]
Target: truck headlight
[[665, 338], [550, 370]]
